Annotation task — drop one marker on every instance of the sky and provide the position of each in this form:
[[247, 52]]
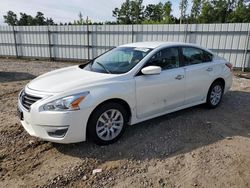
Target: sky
[[68, 10]]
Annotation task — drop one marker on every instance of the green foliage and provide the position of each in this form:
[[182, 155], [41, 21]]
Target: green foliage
[[207, 13], [224, 11], [241, 13], [167, 9], [11, 19], [130, 12], [39, 19], [80, 21], [134, 12], [50, 21], [183, 8], [137, 8], [196, 10], [154, 12], [202, 11]]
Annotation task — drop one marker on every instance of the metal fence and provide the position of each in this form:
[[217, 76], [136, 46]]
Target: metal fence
[[87, 41]]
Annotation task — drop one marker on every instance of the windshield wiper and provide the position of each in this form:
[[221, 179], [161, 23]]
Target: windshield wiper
[[105, 68]]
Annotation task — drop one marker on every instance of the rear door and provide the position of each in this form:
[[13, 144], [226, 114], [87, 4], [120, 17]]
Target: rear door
[[159, 93], [198, 70]]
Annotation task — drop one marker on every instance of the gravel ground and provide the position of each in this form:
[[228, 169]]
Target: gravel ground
[[195, 147]]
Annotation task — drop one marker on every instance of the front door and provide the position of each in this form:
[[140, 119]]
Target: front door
[[157, 94]]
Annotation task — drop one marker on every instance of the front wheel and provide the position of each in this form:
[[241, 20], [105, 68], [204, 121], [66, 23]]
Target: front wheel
[[107, 123], [214, 95]]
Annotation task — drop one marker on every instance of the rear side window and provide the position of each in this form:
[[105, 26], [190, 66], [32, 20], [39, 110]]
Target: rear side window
[[166, 59], [194, 56]]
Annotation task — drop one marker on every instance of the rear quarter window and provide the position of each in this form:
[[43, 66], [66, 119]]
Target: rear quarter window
[[208, 57]]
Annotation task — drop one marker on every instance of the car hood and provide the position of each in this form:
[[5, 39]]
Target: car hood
[[66, 79]]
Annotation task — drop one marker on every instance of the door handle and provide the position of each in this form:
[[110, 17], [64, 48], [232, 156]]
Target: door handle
[[209, 69], [179, 77]]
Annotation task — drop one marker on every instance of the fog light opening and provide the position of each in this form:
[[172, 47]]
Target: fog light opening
[[58, 133]]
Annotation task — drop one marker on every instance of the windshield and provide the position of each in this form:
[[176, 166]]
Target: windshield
[[118, 60]]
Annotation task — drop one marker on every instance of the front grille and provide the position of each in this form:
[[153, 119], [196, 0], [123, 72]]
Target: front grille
[[27, 100]]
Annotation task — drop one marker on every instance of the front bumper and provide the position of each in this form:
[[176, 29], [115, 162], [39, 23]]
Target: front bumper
[[60, 127]]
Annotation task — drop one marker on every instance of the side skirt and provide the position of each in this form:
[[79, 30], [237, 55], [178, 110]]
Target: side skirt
[[136, 120]]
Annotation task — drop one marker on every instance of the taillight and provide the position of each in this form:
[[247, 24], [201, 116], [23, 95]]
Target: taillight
[[229, 65]]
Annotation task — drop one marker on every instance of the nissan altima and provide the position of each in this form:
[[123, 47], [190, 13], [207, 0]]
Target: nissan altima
[[124, 86]]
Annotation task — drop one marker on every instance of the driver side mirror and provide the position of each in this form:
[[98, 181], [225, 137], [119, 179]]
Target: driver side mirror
[[151, 70]]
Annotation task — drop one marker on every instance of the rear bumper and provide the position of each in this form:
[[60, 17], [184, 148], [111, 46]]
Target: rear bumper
[[228, 82]]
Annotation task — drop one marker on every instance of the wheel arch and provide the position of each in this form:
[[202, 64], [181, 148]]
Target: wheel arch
[[220, 79], [117, 101]]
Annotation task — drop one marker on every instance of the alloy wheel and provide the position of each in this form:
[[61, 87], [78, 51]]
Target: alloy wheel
[[109, 124], [215, 95]]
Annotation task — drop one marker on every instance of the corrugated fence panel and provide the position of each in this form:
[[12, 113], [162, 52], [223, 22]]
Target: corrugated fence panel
[[32, 41], [85, 42], [7, 46]]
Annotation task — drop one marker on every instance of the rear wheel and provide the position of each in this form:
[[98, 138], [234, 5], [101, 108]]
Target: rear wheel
[[107, 123], [214, 95]]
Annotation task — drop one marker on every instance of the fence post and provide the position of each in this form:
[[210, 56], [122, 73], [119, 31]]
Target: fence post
[[186, 32], [132, 33], [88, 38], [14, 34], [246, 49], [49, 42]]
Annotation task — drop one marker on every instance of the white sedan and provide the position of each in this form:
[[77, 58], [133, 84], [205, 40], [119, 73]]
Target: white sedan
[[124, 86]]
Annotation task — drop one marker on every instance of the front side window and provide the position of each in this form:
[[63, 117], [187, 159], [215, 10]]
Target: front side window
[[119, 60], [194, 56], [166, 59]]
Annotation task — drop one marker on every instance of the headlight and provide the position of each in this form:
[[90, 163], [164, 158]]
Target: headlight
[[68, 103]]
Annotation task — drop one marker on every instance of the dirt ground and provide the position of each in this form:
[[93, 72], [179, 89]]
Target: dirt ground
[[195, 147]]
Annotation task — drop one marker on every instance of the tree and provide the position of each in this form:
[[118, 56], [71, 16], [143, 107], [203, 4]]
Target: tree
[[24, 19], [31, 20], [80, 21], [50, 21], [137, 9], [183, 8], [195, 10], [154, 13], [10, 18], [167, 9], [39, 19], [123, 15], [130, 12], [221, 10], [159, 13], [207, 13], [240, 14]]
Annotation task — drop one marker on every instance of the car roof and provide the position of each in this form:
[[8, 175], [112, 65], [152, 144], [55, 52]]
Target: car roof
[[144, 44], [157, 44]]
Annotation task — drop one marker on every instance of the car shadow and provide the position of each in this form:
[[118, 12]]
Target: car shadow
[[15, 76], [174, 133]]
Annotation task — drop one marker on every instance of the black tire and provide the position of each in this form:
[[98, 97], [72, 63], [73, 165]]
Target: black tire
[[210, 103], [97, 113]]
